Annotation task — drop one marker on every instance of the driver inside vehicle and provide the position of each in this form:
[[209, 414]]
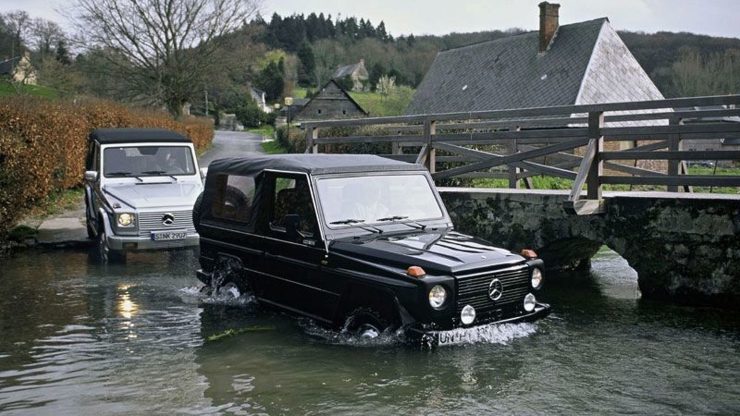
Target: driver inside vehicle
[[169, 162]]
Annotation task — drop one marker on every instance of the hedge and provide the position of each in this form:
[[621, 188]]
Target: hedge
[[43, 145]]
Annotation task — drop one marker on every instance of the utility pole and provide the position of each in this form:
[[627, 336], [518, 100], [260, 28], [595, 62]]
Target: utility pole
[[205, 91]]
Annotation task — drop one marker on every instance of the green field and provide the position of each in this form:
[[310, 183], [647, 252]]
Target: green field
[[273, 147], [8, 89], [380, 106]]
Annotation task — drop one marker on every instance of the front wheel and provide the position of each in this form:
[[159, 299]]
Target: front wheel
[[105, 254], [365, 323]]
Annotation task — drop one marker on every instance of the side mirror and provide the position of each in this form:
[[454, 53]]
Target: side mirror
[[203, 173], [292, 222], [91, 175]]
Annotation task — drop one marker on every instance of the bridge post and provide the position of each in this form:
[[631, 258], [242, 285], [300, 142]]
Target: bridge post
[[674, 144], [430, 158], [513, 170], [312, 133], [593, 180]]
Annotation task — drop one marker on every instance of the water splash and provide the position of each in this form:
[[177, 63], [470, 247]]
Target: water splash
[[344, 337], [500, 334], [228, 298]]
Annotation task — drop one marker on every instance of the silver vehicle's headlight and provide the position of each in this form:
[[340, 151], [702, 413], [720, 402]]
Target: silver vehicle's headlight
[[125, 219], [437, 296], [536, 278], [467, 315], [529, 302]]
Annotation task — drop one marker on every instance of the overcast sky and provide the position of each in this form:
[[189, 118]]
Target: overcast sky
[[711, 17]]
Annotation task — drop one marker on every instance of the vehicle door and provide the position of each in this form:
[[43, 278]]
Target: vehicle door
[[230, 222], [294, 248]]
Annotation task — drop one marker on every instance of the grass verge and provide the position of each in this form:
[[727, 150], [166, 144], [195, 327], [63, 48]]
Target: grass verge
[[273, 147]]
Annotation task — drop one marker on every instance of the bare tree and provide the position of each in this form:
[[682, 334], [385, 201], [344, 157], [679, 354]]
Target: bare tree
[[45, 35], [163, 48], [18, 22]]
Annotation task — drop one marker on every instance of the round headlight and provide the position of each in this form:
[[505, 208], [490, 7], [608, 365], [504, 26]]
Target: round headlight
[[125, 219], [529, 302], [437, 296], [467, 315], [536, 278]]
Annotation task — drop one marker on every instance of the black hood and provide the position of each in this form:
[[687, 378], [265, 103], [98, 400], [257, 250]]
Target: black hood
[[444, 252]]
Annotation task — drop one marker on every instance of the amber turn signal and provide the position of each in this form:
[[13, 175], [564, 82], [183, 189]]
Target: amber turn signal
[[528, 254], [415, 271]]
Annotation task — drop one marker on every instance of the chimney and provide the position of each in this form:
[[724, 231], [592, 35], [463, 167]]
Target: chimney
[[548, 23]]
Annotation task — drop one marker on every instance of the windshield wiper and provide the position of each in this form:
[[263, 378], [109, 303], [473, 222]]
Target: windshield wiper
[[347, 221], [124, 174], [159, 172], [393, 218], [412, 224]]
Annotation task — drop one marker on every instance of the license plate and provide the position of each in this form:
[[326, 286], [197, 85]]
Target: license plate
[[166, 236]]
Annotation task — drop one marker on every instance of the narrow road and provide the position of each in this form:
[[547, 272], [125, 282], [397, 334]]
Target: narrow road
[[68, 228], [231, 144]]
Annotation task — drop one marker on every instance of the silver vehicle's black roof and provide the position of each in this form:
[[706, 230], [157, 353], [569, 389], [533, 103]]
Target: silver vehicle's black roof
[[129, 135], [315, 164]]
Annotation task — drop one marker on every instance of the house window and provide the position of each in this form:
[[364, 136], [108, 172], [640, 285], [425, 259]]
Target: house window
[[318, 111], [344, 111]]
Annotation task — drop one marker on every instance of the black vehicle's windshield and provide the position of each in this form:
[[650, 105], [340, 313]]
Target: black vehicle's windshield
[[134, 161], [377, 199]]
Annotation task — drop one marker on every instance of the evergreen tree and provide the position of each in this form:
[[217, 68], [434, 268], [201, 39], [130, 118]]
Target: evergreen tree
[[270, 80], [308, 64], [62, 53]]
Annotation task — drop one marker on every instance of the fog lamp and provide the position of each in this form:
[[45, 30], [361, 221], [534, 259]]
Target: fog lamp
[[125, 219], [529, 302], [437, 296], [536, 278], [467, 315]]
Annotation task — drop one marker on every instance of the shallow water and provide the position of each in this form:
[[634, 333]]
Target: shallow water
[[80, 338]]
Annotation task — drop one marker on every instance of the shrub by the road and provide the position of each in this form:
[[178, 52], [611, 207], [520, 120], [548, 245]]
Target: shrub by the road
[[43, 145]]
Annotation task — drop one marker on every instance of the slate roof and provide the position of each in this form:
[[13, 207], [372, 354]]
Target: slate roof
[[331, 94], [585, 63], [346, 70], [6, 66]]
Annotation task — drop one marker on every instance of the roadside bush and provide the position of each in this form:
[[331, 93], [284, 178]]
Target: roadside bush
[[43, 145]]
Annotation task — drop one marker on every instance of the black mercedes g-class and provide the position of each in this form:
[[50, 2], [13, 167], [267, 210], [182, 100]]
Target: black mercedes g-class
[[355, 242]]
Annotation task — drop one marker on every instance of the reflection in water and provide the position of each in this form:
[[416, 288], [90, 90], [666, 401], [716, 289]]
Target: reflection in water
[[126, 307], [78, 338]]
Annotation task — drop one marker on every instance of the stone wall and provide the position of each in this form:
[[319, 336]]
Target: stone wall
[[684, 249]]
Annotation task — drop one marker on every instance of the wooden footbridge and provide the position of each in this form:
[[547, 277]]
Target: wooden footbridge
[[630, 146]]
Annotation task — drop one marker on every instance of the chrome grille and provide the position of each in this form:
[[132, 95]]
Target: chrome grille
[[152, 221], [472, 289]]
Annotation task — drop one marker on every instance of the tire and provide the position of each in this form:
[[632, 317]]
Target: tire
[[228, 278], [365, 323], [196, 212], [105, 254]]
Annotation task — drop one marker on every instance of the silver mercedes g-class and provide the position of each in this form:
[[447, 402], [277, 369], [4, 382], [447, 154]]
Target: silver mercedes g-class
[[140, 186]]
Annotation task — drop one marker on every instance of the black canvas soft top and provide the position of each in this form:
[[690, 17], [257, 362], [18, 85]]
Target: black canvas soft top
[[314, 164], [134, 135]]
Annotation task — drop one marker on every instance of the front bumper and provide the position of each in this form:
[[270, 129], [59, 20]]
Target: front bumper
[[457, 335], [138, 243]]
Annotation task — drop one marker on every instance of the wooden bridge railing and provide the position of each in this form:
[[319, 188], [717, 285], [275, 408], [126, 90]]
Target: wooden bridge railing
[[587, 144]]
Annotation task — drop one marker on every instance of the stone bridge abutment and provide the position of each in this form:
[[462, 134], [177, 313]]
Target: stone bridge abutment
[[685, 249]]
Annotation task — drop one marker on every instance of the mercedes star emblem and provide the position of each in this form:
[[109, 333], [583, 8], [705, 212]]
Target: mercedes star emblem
[[168, 219], [495, 289]]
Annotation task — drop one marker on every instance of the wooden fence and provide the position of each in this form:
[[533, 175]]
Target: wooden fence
[[587, 144]]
